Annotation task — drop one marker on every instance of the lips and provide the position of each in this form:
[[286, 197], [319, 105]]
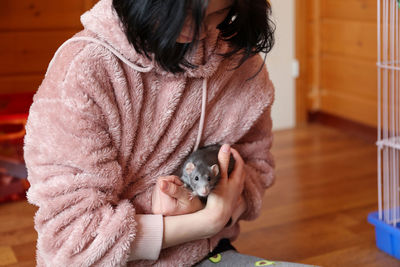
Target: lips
[[186, 37]]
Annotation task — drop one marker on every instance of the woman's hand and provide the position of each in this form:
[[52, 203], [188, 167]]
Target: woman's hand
[[171, 198], [224, 198], [208, 221]]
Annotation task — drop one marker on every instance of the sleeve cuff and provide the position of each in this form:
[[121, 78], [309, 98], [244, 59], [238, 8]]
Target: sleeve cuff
[[148, 240]]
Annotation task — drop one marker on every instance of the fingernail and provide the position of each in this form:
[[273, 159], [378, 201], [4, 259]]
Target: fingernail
[[164, 185], [225, 148]]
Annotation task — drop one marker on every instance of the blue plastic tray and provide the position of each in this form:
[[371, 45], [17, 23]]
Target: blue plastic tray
[[387, 236]]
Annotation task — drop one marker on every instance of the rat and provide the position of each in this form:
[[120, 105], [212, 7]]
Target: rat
[[200, 171]]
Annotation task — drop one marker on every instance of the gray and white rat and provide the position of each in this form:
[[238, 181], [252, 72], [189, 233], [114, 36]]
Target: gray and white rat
[[200, 172]]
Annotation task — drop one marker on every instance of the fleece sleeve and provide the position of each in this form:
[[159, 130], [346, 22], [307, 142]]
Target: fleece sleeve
[[75, 175], [254, 148], [73, 172]]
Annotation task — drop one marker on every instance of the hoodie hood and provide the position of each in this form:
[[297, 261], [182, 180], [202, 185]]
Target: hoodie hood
[[103, 20]]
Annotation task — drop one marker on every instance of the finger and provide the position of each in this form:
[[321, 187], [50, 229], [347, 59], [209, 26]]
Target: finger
[[223, 159], [178, 181], [175, 179], [163, 183], [238, 161], [238, 170], [172, 178], [240, 201], [173, 190], [237, 157]]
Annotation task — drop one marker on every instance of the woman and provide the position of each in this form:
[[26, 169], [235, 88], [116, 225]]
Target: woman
[[122, 104]]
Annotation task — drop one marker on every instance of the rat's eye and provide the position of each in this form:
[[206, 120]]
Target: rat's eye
[[209, 178], [196, 178]]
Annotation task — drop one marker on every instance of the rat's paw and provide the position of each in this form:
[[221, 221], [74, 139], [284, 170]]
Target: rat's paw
[[192, 195]]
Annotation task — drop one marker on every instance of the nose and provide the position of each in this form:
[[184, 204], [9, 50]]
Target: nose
[[209, 24], [204, 191]]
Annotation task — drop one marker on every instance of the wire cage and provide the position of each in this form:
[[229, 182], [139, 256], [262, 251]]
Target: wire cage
[[387, 219]]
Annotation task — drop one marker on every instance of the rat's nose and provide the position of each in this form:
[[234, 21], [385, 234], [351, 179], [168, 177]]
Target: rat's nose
[[204, 191]]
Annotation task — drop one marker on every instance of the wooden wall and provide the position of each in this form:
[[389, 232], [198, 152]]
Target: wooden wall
[[340, 76], [30, 33], [336, 45]]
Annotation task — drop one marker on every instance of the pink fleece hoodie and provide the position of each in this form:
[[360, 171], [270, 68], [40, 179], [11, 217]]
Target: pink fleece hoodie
[[106, 122]]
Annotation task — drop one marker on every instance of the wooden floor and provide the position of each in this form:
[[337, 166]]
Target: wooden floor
[[315, 213]]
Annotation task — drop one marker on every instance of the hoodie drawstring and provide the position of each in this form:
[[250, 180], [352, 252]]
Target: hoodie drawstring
[[203, 113], [139, 69]]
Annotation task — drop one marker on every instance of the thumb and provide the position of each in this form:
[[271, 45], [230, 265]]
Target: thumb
[[223, 159]]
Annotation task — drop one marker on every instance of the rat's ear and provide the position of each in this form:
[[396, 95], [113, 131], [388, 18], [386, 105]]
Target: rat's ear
[[189, 167], [215, 169]]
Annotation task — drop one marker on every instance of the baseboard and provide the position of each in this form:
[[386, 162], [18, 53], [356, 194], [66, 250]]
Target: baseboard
[[365, 132]]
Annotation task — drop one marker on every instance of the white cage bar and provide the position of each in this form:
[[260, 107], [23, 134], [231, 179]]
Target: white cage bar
[[388, 111]]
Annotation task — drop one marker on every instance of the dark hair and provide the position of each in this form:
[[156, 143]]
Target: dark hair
[[153, 26]]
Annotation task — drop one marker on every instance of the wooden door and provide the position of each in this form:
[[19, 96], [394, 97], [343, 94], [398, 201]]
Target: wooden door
[[337, 50], [30, 33]]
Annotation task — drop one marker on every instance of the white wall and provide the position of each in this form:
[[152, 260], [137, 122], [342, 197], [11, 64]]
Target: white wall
[[279, 64]]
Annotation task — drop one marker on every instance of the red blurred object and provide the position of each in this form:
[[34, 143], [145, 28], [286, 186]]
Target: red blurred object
[[15, 103], [12, 127], [13, 115]]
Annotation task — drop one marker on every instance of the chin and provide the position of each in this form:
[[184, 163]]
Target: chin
[[184, 39]]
